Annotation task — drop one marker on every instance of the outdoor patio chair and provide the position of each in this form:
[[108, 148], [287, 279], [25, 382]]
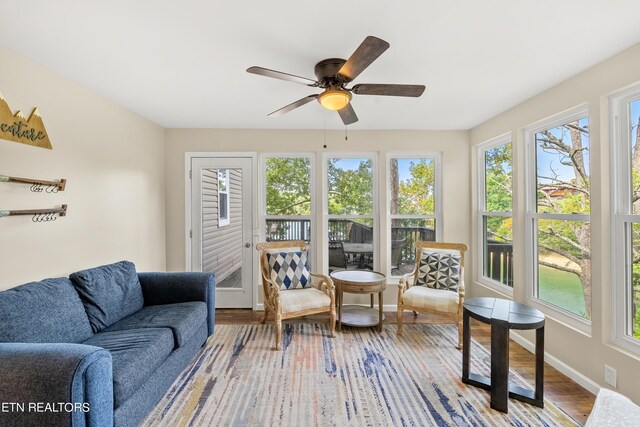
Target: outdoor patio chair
[[436, 283], [337, 257], [396, 251], [290, 289]]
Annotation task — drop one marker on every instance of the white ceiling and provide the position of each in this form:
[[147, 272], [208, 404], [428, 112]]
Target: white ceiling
[[182, 63]]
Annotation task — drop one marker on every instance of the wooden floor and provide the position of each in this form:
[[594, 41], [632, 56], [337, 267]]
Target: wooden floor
[[568, 395]]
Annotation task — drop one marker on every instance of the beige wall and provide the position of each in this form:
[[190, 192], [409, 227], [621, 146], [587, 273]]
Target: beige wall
[[586, 354], [452, 144], [113, 161]]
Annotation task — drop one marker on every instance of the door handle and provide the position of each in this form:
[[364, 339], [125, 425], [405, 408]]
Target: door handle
[[247, 245]]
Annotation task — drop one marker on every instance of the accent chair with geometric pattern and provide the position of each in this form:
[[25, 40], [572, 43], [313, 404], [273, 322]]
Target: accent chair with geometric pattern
[[290, 289], [436, 283]]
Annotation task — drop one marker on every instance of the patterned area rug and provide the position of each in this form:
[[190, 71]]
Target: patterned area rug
[[359, 378]]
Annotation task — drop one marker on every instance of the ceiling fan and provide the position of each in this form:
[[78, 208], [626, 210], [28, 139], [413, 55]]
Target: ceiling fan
[[334, 74]]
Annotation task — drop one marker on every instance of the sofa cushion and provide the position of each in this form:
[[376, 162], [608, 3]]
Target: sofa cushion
[[136, 354], [109, 293], [183, 319], [48, 311]]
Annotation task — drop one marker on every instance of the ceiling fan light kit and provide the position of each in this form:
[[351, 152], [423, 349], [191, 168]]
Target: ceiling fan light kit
[[334, 74], [334, 98]]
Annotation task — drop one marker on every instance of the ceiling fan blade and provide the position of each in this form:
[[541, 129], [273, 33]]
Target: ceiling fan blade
[[388, 90], [348, 115], [368, 51], [282, 76], [293, 106]]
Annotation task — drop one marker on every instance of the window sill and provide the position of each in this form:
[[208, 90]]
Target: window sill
[[628, 346], [558, 315], [496, 287]]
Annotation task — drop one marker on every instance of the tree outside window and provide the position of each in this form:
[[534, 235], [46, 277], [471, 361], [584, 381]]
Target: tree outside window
[[287, 198], [495, 211], [350, 208], [633, 288], [562, 229], [412, 209]]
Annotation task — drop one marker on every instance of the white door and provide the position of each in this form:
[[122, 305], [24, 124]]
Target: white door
[[221, 213]]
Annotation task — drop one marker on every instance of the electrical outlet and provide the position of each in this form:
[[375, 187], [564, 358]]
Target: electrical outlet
[[610, 376]]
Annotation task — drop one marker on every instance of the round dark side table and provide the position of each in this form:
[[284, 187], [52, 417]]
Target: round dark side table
[[503, 315]]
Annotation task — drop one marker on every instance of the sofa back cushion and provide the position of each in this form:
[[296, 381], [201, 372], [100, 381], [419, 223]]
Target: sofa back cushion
[[49, 311], [109, 293]]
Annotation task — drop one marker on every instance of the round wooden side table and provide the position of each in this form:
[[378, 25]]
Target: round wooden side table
[[359, 282]]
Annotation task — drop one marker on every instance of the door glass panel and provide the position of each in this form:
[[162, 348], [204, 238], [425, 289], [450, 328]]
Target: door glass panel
[[222, 240]]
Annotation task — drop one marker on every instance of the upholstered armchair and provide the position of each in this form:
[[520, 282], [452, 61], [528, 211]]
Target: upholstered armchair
[[436, 283], [290, 289]]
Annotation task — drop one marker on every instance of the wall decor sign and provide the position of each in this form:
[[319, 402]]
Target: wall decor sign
[[16, 127]]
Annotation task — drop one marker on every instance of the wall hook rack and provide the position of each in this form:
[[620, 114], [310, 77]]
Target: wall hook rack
[[37, 185], [38, 215]]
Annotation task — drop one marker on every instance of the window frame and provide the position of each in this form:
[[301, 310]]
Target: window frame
[[437, 214], [622, 215], [375, 215], [482, 213], [532, 216], [264, 217], [223, 222]]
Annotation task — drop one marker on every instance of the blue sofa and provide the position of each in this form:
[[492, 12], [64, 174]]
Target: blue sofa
[[101, 347]]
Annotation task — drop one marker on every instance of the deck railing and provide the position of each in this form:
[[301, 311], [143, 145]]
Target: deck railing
[[499, 254], [499, 262], [288, 229]]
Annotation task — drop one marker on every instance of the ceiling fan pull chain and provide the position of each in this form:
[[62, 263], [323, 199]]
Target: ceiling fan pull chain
[[346, 138]]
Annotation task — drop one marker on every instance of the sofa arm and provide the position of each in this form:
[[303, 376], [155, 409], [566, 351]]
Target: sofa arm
[[170, 288], [613, 409], [55, 384]]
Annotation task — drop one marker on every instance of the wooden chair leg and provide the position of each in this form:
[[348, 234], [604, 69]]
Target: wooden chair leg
[[278, 330], [266, 313], [332, 322], [415, 313], [400, 310]]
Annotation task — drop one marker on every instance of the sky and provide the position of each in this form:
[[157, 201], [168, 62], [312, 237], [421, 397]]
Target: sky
[[548, 162]]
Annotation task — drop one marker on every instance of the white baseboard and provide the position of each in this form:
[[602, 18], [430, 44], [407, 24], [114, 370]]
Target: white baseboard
[[567, 370]]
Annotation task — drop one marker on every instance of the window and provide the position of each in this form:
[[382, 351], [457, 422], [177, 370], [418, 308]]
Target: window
[[413, 208], [495, 211], [350, 204], [287, 197], [625, 121], [558, 215], [223, 198]]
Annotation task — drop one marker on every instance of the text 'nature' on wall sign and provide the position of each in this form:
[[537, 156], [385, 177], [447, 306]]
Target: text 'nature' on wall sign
[[17, 128]]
